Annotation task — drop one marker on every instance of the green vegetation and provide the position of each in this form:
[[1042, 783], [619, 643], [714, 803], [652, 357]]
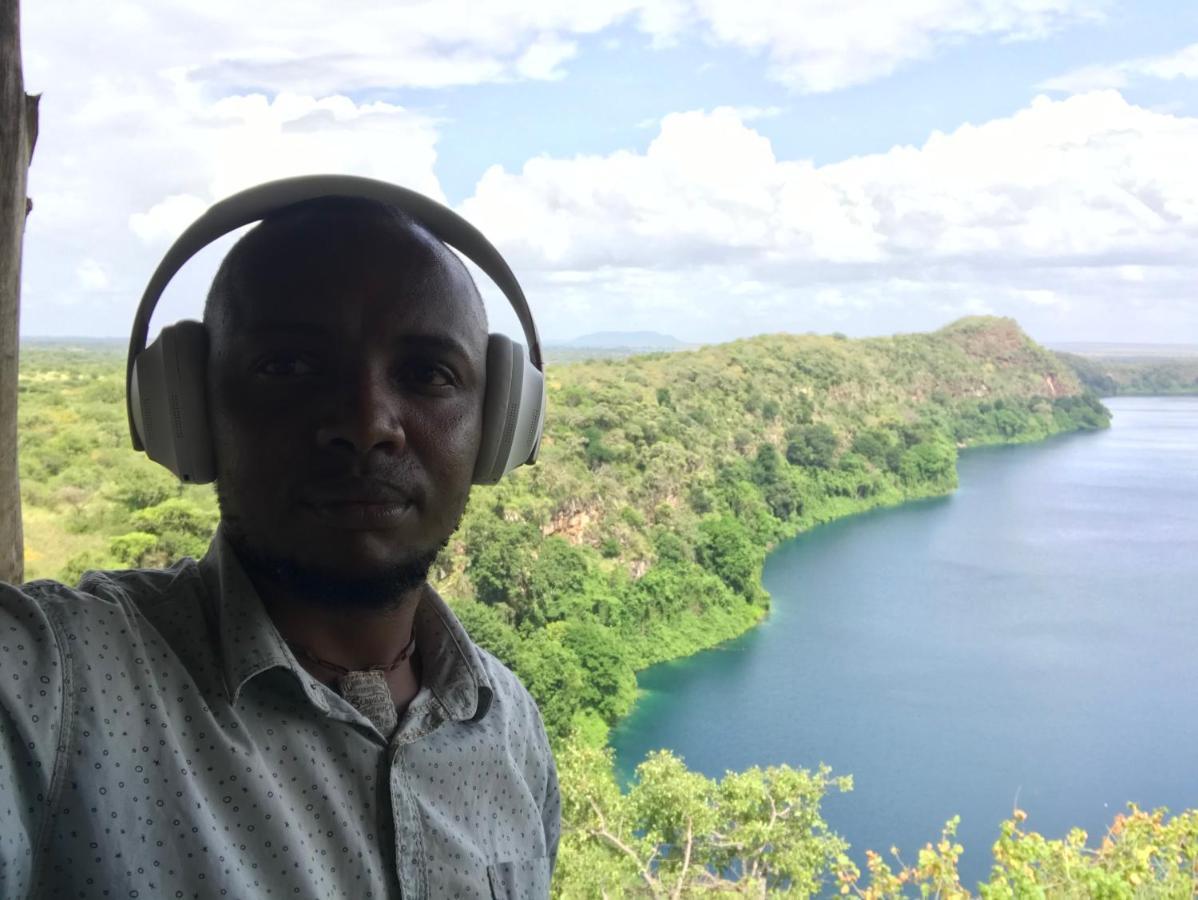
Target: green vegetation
[[759, 833], [639, 537], [1132, 376], [89, 501]]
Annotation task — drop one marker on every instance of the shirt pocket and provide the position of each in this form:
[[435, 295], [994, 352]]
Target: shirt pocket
[[523, 879]]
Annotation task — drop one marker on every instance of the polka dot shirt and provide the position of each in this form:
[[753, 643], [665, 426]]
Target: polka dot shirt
[[159, 740]]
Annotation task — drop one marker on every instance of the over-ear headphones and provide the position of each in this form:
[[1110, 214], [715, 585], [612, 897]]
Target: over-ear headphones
[[165, 383]]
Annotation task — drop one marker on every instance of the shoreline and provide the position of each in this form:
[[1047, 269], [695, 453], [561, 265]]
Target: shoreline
[[842, 511]]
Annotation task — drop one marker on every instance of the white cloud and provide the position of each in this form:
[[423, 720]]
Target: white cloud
[[1182, 64], [153, 110], [312, 47], [120, 176], [1050, 207], [818, 45], [163, 221], [544, 58], [91, 276], [1089, 177]]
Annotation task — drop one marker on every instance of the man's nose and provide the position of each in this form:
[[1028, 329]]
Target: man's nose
[[367, 414]]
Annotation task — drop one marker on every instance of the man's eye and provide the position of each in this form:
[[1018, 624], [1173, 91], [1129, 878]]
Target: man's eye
[[428, 374], [286, 366]]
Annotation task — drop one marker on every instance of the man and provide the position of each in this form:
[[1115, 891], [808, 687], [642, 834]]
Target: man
[[299, 713]]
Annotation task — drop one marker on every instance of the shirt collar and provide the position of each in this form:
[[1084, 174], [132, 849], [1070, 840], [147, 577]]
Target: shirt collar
[[249, 642], [451, 667]]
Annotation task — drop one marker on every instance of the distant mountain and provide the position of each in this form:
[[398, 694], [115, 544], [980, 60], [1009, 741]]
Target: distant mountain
[[624, 340]]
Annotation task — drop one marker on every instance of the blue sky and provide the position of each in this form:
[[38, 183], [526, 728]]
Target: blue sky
[[707, 168], [619, 82]]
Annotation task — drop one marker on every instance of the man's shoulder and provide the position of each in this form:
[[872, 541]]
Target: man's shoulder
[[104, 592], [514, 712], [504, 682]]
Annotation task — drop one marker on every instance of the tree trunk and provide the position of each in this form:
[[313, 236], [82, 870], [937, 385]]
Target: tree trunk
[[18, 131]]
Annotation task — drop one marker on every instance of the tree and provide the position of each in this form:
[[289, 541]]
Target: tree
[[558, 581], [554, 677], [610, 684], [18, 133], [930, 462], [811, 445], [726, 549], [498, 557], [679, 834]]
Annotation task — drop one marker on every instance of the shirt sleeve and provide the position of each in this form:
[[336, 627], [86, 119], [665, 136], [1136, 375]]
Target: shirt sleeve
[[31, 711], [551, 814]]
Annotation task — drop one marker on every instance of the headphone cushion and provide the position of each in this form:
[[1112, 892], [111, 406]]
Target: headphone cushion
[[170, 402], [513, 410]]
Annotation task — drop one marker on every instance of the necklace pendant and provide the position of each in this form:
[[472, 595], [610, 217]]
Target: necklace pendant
[[369, 693]]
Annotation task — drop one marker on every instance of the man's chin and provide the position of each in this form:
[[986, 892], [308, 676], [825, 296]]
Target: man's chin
[[350, 581]]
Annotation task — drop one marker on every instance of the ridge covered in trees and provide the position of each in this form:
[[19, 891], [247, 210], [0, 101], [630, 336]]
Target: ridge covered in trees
[[639, 536], [1135, 376]]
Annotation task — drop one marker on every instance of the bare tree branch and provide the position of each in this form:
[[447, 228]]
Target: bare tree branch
[[686, 859], [605, 834]]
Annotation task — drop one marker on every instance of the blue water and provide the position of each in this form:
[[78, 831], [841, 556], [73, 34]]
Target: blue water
[[1030, 641]]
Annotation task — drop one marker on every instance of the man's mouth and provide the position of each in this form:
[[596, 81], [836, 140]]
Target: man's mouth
[[359, 504]]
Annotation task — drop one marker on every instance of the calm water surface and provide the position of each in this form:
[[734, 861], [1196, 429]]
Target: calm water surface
[[1031, 640]]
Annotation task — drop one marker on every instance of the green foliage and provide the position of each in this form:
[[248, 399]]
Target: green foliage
[[1144, 854], [134, 549], [726, 549], [812, 445], [181, 527], [597, 452], [86, 561], [930, 462], [1129, 376], [670, 547], [552, 674], [489, 630], [609, 685], [679, 834], [499, 557], [141, 486]]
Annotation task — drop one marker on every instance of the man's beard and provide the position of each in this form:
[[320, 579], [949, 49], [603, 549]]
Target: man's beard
[[317, 586], [321, 586]]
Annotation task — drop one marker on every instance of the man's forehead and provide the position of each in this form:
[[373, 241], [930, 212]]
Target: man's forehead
[[389, 277]]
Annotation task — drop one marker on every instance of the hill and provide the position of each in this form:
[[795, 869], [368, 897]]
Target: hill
[[663, 480], [1131, 374]]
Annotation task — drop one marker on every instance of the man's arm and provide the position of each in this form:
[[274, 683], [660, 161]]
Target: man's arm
[[32, 685]]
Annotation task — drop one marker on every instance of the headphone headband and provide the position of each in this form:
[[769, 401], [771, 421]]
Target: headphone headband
[[257, 203]]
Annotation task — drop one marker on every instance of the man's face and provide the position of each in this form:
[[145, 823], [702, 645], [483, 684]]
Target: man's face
[[346, 398]]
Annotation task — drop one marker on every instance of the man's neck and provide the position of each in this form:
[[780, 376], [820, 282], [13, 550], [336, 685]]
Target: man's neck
[[353, 639]]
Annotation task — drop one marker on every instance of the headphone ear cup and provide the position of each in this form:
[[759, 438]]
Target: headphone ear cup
[[513, 411], [170, 402]]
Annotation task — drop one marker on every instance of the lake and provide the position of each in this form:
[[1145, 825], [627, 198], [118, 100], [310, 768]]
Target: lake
[[1030, 641]]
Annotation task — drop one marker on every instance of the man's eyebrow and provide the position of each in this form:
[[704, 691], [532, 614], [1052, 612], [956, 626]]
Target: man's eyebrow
[[443, 343]]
